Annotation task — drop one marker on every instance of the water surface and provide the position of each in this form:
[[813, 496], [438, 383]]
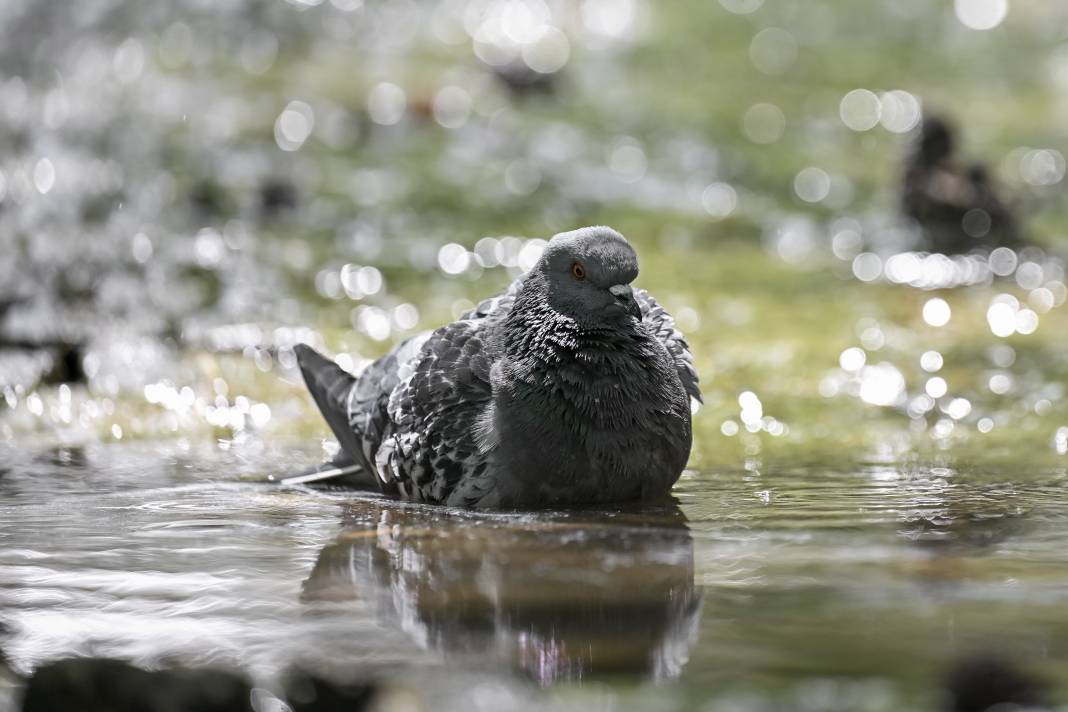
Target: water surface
[[803, 588]]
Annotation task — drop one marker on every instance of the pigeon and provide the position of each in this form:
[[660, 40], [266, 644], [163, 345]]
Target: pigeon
[[957, 206], [570, 388]]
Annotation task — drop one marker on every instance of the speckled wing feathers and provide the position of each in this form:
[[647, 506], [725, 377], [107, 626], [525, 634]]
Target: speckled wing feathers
[[439, 412], [366, 407], [663, 326], [435, 414]]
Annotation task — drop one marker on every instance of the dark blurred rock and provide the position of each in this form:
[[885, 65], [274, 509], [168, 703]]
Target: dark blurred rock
[[277, 197], [98, 208], [521, 80], [67, 366], [6, 303], [311, 693], [957, 206], [210, 200], [83, 685], [983, 682], [66, 358]]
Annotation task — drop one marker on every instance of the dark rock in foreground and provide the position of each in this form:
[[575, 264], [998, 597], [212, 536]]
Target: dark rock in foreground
[[80, 685], [983, 682], [310, 693]]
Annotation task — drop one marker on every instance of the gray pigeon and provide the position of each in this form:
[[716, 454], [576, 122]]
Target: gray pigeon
[[570, 388]]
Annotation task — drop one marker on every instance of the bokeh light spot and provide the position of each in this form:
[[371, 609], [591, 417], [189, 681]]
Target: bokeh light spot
[[812, 184], [451, 107], [294, 125], [44, 176], [936, 312], [741, 7], [719, 200], [852, 359], [931, 361], [773, 50], [860, 110], [981, 14], [764, 123], [386, 104]]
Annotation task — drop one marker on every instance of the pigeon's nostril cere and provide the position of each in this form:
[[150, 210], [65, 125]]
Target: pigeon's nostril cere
[[624, 296]]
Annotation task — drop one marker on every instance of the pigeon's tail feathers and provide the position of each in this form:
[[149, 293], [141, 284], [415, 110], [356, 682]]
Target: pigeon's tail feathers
[[330, 386], [341, 471]]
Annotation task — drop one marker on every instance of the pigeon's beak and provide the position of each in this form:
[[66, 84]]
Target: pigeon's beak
[[624, 295]]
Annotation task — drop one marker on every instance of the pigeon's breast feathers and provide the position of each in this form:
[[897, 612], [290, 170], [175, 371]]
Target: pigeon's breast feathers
[[578, 331]]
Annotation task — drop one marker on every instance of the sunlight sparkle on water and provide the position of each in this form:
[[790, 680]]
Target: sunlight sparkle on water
[[1000, 383], [931, 361], [936, 312], [1060, 441], [959, 408], [936, 387], [881, 384], [1002, 318], [852, 359]]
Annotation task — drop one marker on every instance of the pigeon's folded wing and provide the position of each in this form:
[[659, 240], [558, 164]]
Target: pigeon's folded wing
[[438, 412], [369, 397], [663, 325]]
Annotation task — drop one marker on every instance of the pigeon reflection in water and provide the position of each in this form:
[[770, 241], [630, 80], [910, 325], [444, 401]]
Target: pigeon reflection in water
[[561, 597]]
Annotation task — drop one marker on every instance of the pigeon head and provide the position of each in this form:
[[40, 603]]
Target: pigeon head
[[587, 275]]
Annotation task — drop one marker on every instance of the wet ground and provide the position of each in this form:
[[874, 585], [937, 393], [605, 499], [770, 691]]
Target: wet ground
[[877, 482]]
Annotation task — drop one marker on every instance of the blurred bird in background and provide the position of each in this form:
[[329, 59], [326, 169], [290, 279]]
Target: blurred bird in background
[[956, 205]]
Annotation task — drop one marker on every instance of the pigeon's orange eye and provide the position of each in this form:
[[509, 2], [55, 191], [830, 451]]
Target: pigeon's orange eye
[[578, 271]]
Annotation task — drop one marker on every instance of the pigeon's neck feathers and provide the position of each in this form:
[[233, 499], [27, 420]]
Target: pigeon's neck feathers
[[588, 375], [535, 334]]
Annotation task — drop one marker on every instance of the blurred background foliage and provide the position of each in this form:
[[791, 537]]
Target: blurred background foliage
[[189, 189]]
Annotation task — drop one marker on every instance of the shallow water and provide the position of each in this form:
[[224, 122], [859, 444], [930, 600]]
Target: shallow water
[[806, 588]]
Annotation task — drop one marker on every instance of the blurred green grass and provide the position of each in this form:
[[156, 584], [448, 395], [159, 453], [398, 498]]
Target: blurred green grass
[[764, 325]]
